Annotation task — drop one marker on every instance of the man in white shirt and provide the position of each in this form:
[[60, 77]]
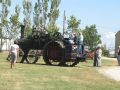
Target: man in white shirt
[[99, 53], [97, 57], [14, 53]]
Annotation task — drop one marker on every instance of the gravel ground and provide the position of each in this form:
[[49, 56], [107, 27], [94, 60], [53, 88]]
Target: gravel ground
[[113, 59], [112, 72]]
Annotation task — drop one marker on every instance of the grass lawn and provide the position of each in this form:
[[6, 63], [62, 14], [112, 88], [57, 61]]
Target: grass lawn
[[43, 77]]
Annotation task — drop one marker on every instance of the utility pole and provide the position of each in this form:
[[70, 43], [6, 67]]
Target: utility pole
[[64, 20]]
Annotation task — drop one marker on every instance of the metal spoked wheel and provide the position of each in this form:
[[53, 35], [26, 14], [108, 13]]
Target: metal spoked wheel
[[53, 54], [18, 58], [33, 56], [70, 59], [53, 62], [70, 62], [8, 57], [77, 60]]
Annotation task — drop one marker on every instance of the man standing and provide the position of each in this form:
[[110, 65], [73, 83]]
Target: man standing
[[80, 44], [14, 53], [97, 56]]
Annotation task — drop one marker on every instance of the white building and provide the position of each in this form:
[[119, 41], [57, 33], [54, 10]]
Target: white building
[[6, 43]]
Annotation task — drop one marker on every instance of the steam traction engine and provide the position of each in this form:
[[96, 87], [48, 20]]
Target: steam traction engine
[[55, 49]]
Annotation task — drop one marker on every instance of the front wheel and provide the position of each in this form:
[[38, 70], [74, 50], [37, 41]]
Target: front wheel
[[33, 56]]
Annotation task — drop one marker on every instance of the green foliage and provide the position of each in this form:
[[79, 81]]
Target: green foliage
[[14, 23], [73, 24], [105, 52], [46, 13], [91, 36], [8, 2], [37, 14], [52, 29], [14, 19], [27, 6], [54, 13], [5, 5], [40, 13], [17, 10], [4, 22]]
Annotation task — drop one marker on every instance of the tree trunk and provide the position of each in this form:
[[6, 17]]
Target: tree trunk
[[1, 45]]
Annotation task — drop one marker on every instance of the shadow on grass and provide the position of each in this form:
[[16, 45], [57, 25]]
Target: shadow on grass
[[47, 64]]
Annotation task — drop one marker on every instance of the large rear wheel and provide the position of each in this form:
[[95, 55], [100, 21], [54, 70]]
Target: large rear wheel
[[53, 53]]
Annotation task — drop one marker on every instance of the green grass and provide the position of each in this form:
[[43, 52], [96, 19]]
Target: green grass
[[43, 77]]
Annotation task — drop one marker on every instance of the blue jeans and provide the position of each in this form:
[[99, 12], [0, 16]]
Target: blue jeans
[[80, 49]]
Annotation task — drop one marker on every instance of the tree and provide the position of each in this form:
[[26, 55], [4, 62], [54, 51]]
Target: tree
[[46, 13], [53, 15], [105, 51], [37, 14], [40, 14], [4, 21], [73, 24], [27, 6], [91, 36], [14, 23], [5, 5]]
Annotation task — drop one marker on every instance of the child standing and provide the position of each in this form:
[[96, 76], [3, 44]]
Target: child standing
[[14, 53]]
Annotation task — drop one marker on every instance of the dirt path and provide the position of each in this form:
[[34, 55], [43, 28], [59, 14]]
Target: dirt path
[[112, 72], [112, 59]]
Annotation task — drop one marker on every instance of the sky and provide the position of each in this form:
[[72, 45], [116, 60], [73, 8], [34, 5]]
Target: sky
[[105, 14]]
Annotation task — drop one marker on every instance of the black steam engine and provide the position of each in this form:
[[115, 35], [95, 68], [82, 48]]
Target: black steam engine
[[55, 49]]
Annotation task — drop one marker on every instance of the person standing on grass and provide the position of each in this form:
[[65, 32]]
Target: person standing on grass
[[118, 55], [95, 63], [14, 51], [97, 57]]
